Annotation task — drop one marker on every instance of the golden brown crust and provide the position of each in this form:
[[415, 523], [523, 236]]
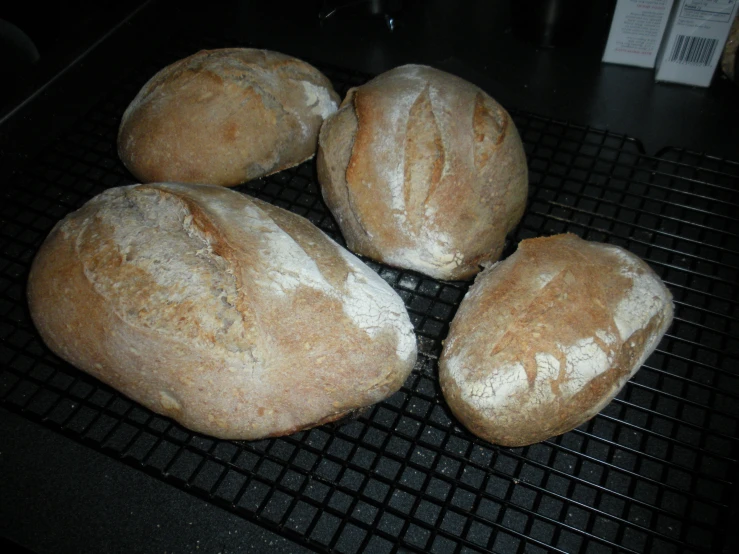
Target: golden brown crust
[[234, 317], [435, 175], [546, 338], [224, 117]]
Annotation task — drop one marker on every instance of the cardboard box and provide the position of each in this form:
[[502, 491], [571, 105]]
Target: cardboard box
[[694, 41], [636, 32]]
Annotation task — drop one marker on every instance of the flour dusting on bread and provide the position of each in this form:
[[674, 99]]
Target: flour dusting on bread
[[585, 360], [284, 264], [500, 388], [319, 99], [374, 306], [643, 299]]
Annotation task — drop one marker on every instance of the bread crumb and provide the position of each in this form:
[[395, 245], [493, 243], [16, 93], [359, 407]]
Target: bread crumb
[[168, 402]]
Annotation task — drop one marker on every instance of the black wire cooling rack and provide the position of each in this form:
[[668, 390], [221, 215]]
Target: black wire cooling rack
[[654, 472]]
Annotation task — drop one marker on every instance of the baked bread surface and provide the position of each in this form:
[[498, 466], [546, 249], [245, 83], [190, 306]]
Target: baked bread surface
[[423, 170], [232, 316], [225, 117], [545, 339]]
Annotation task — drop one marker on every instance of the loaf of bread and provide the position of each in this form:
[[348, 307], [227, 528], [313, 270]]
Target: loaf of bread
[[234, 317], [224, 117], [545, 339], [423, 170]]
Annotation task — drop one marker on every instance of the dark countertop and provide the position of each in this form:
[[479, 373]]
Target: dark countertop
[[60, 496]]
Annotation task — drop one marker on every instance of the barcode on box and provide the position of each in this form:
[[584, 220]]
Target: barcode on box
[[696, 34], [693, 50]]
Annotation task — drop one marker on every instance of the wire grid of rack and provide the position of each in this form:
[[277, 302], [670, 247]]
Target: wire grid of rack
[[654, 472]]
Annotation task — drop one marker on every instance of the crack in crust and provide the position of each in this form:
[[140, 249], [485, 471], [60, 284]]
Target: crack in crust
[[165, 276], [351, 202], [424, 158]]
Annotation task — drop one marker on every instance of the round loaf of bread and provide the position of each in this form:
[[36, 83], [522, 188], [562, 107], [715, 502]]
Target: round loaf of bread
[[234, 317], [423, 170], [224, 117], [545, 339]]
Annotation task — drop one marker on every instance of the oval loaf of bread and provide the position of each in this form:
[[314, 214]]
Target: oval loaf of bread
[[423, 170], [224, 117], [234, 317], [545, 339]]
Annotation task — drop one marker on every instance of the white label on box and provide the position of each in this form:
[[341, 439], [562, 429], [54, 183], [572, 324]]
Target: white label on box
[[694, 41], [636, 32], [705, 10]]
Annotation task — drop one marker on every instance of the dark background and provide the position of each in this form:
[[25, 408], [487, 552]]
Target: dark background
[[474, 39]]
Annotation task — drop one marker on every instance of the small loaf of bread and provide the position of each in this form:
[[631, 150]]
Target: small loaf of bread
[[423, 170], [224, 117], [545, 339], [234, 317]]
